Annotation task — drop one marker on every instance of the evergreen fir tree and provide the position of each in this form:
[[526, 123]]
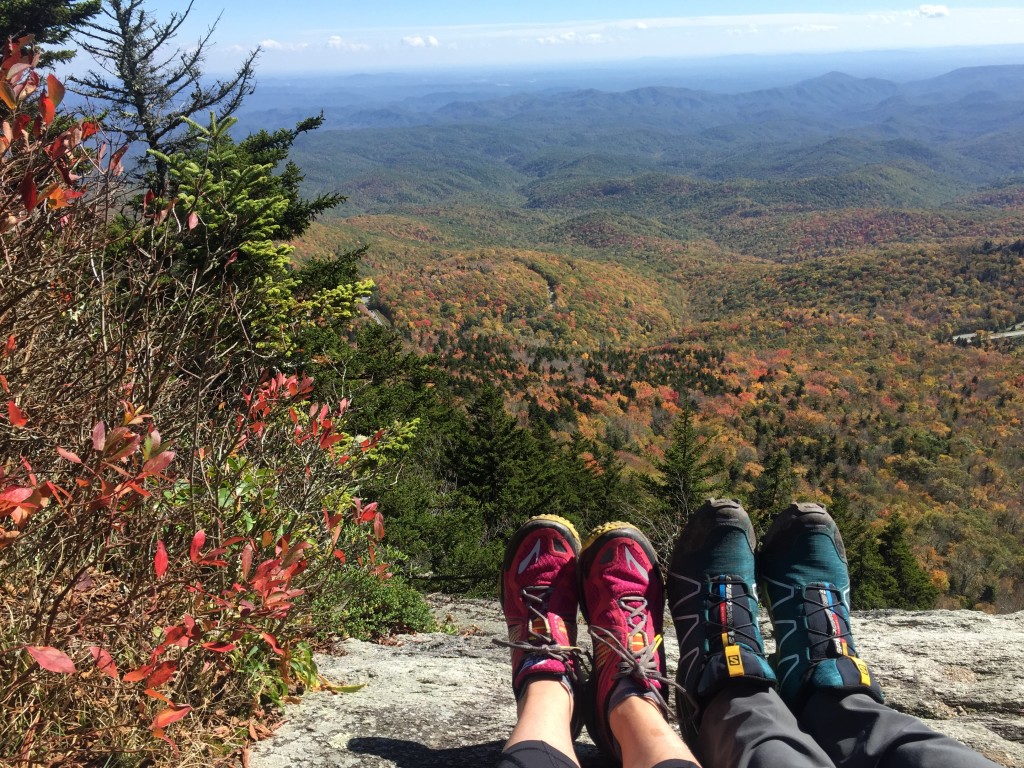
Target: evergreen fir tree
[[773, 491], [914, 590], [690, 473], [49, 22], [149, 85], [871, 582]]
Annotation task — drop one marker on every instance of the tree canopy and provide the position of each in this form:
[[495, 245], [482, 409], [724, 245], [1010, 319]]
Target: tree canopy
[[148, 82], [50, 22]]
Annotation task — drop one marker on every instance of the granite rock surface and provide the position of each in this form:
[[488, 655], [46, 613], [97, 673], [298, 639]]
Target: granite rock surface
[[444, 699]]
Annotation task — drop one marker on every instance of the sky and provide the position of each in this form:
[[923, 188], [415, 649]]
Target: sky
[[409, 35]]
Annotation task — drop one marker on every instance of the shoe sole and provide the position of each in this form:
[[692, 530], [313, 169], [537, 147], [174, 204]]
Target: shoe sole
[[598, 536], [560, 524]]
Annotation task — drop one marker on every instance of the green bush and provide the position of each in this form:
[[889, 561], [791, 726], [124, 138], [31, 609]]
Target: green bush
[[354, 603]]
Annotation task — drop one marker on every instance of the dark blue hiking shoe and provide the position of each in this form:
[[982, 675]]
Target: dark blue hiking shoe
[[806, 587], [713, 600]]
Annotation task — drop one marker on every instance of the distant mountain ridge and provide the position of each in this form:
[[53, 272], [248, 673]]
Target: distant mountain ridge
[[956, 133], [835, 94]]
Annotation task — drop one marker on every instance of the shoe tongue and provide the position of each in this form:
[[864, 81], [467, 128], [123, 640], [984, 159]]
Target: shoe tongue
[[827, 623], [627, 687], [731, 611], [539, 668]]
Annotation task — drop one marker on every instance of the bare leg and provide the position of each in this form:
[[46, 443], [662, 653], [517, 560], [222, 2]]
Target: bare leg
[[545, 713], [643, 735]]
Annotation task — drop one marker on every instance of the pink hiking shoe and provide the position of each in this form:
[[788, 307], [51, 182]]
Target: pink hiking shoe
[[539, 597], [624, 603]]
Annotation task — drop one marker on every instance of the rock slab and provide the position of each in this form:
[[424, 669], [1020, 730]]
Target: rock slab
[[444, 700]]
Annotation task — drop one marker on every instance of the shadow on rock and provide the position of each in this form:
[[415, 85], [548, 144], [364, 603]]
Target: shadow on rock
[[412, 754]]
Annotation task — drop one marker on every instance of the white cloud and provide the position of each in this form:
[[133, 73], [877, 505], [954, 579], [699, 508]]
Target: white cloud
[[913, 26], [737, 32], [338, 43], [574, 37], [421, 41], [812, 28], [277, 45]]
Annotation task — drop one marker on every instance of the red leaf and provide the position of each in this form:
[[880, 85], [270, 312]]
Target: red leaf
[[160, 561], [158, 463], [99, 436], [247, 553], [340, 555], [138, 489], [89, 128], [47, 109], [72, 457], [15, 495], [55, 90], [139, 674], [104, 663], [219, 647], [197, 545], [272, 642], [193, 220], [148, 199], [170, 715], [158, 695], [28, 192], [15, 414], [159, 733], [115, 161], [330, 439], [163, 672], [176, 636], [121, 442], [378, 526], [51, 659]]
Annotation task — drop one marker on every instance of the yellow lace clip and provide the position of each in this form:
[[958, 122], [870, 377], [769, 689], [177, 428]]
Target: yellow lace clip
[[865, 676], [733, 660]]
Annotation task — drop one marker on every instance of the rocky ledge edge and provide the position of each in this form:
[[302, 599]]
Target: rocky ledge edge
[[443, 700]]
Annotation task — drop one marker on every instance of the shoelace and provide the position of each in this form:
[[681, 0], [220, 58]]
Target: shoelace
[[536, 599], [837, 629], [722, 606], [642, 665]]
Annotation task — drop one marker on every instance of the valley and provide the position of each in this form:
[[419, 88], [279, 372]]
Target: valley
[[794, 261]]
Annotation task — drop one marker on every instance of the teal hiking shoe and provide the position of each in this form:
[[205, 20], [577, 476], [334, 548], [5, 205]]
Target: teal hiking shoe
[[713, 600], [806, 586]]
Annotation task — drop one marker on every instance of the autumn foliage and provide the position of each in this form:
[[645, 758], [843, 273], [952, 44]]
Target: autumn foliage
[[166, 505]]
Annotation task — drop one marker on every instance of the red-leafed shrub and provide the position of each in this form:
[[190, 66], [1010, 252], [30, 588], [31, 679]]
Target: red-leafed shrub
[[166, 508]]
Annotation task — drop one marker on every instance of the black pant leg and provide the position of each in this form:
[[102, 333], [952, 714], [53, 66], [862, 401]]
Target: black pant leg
[[746, 727], [858, 732], [534, 754]]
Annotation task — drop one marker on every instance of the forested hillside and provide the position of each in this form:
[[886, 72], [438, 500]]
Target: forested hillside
[[240, 421], [785, 267]]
